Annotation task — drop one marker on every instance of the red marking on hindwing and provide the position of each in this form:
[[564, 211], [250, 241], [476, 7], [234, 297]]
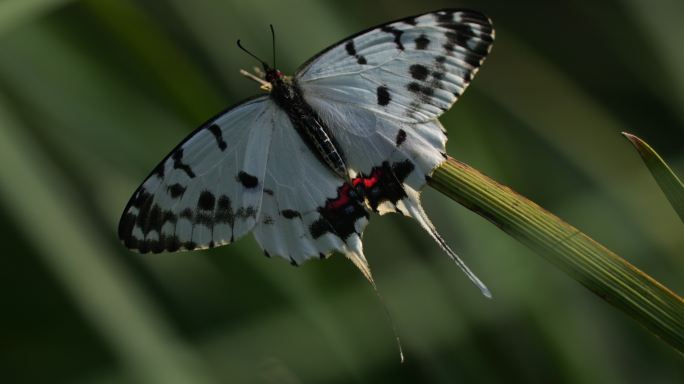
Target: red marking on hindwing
[[343, 198], [345, 191], [368, 182]]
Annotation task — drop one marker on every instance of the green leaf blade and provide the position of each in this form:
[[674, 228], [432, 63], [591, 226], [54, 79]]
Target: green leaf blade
[[597, 268], [667, 180]]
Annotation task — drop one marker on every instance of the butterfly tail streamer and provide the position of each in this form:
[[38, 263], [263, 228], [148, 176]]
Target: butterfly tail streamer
[[391, 321], [417, 212], [360, 262]]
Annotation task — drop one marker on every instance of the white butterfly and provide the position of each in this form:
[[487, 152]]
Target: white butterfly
[[354, 131]]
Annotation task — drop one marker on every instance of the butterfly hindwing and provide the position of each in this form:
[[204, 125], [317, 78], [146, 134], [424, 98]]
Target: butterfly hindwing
[[307, 210], [413, 69], [207, 191]]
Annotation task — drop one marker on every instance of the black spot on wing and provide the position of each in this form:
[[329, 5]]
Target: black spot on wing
[[385, 183], [340, 214], [247, 180], [290, 213], [383, 95], [204, 218], [401, 137], [474, 53], [472, 32], [155, 220], [397, 35], [351, 50], [474, 60], [140, 198], [460, 38], [445, 17], [418, 72], [410, 20], [126, 225], [178, 163], [206, 201], [424, 92], [224, 211], [246, 212], [145, 201], [168, 243], [172, 243], [159, 170], [176, 190], [218, 135], [169, 216], [402, 169], [422, 42], [188, 214], [150, 218]]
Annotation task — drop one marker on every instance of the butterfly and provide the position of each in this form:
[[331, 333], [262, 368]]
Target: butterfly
[[353, 132]]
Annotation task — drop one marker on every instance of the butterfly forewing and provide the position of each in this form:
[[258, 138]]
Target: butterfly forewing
[[208, 190], [413, 69]]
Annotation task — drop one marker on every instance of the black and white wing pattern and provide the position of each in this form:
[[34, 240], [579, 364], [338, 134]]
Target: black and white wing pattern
[[245, 170], [208, 190], [307, 210], [380, 93], [412, 69], [354, 131]]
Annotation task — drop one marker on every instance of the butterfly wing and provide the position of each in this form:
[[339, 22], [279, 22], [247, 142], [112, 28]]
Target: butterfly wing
[[307, 211], [380, 93], [207, 191], [246, 169], [412, 69]]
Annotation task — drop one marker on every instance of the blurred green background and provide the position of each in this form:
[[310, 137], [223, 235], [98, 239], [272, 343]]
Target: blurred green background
[[94, 93]]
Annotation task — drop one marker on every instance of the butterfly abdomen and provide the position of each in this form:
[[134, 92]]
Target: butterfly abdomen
[[310, 127]]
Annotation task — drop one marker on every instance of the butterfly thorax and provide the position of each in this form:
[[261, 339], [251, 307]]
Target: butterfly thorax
[[288, 96]]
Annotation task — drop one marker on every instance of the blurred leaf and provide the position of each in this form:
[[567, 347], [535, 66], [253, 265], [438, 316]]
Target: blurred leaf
[[33, 190], [16, 12], [572, 121], [194, 95], [666, 179], [590, 263], [661, 24]]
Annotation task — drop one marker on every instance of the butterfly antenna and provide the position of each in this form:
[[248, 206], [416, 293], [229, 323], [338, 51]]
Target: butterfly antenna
[[251, 54], [273, 42]]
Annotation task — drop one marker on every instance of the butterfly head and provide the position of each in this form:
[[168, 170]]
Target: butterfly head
[[273, 75], [270, 76]]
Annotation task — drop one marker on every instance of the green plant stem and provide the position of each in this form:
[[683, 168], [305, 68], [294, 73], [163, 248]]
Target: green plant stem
[[600, 270]]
